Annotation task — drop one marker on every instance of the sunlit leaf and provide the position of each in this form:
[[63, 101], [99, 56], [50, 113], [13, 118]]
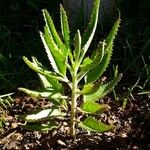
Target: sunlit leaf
[[42, 115], [96, 58], [45, 82], [51, 77], [92, 107], [52, 30], [97, 72], [89, 33], [77, 50], [103, 90], [91, 88], [56, 98], [56, 55], [65, 27], [6, 100], [92, 124], [86, 64]]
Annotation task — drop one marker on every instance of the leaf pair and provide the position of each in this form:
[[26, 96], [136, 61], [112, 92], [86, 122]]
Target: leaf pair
[[105, 53], [94, 87], [102, 90], [56, 50]]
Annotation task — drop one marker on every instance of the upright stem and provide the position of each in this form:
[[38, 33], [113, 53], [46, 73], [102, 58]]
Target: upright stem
[[73, 104]]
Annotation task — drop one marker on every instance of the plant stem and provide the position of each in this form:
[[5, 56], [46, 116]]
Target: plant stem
[[73, 104]]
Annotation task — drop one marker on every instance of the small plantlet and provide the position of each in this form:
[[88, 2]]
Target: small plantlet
[[6, 101], [80, 73]]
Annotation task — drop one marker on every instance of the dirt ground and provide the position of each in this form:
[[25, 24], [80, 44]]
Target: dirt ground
[[131, 132]]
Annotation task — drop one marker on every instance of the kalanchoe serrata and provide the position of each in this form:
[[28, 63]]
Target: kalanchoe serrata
[[72, 68]]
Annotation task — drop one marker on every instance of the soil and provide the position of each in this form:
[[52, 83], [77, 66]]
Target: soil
[[131, 132]]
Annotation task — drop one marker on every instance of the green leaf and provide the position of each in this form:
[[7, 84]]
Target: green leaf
[[56, 98], [49, 54], [88, 89], [110, 38], [91, 88], [45, 82], [86, 65], [97, 57], [97, 72], [40, 127], [92, 107], [103, 90], [92, 124], [52, 30], [41, 94], [88, 35], [42, 115], [65, 27], [6, 100], [55, 54], [77, 51], [51, 77]]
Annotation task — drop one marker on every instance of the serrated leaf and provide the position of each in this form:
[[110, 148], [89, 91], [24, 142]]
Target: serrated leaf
[[45, 82], [52, 30], [65, 27], [42, 115], [89, 33], [52, 45], [99, 69], [2, 103], [97, 72], [40, 127], [103, 90], [41, 94], [97, 56], [87, 89], [78, 41], [110, 38], [55, 54], [6, 100], [51, 77], [86, 64], [91, 88], [7, 103], [92, 124], [92, 107], [56, 98], [49, 54]]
